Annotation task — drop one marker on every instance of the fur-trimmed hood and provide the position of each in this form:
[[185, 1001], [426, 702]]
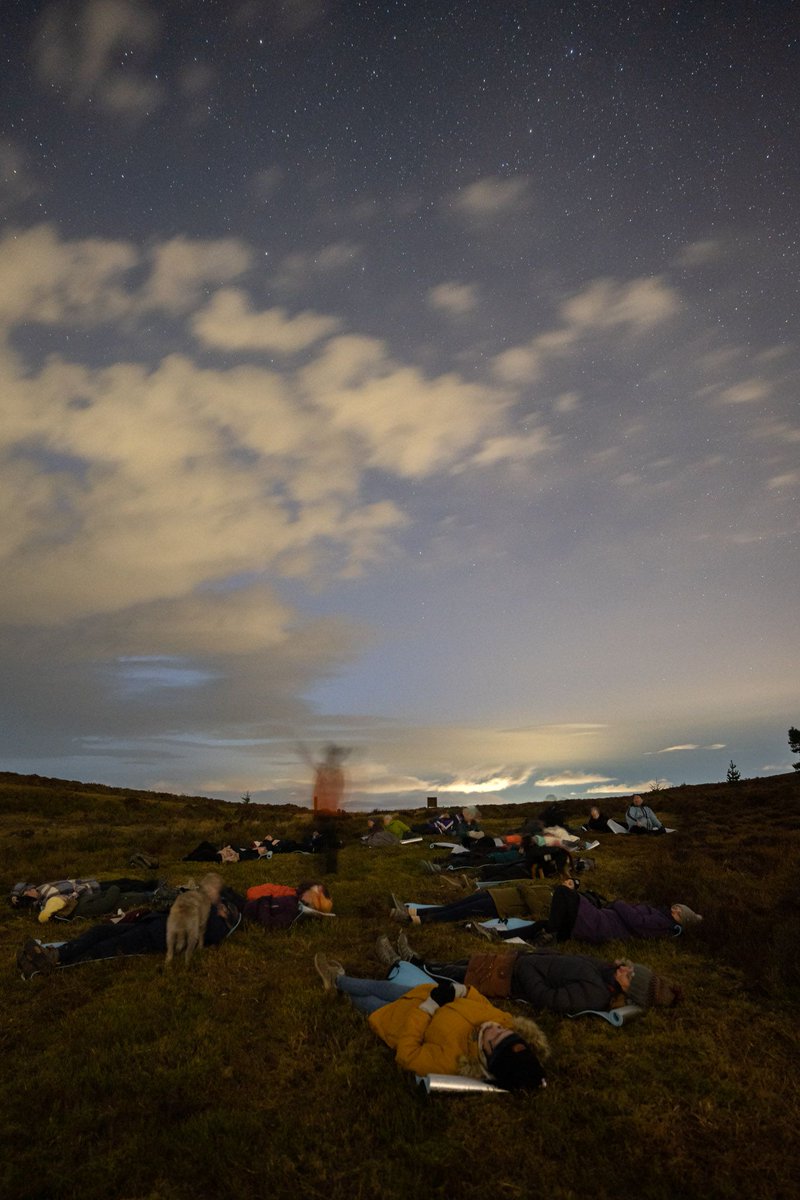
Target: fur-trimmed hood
[[447, 1042]]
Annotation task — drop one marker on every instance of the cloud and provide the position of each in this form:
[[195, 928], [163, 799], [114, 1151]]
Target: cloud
[[492, 197], [46, 280], [87, 281], [385, 406], [571, 779], [788, 481], [629, 789], [745, 392], [604, 304], [513, 448], [689, 746], [607, 303], [455, 299], [228, 323], [87, 50], [301, 267], [699, 254], [183, 267]]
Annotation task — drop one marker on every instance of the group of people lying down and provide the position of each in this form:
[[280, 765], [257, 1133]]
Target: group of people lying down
[[439, 1016], [144, 931]]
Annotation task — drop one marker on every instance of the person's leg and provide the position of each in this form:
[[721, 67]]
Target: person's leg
[[368, 995], [446, 970], [90, 904], [130, 885], [86, 945], [563, 912], [145, 936], [478, 905]]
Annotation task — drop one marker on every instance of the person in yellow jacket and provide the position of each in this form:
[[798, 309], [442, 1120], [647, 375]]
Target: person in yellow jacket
[[445, 1028]]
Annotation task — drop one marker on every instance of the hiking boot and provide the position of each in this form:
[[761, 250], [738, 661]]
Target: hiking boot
[[404, 950], [329, 970], [387, 955], [484, 931], [543, 938], [34, 958]]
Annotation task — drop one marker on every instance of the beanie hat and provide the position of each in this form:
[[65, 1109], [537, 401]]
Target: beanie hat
[[687, 917], [647, 989], [513, 1065], [317, 896]]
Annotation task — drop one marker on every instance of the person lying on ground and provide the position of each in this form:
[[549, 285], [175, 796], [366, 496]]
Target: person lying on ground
[[277, 905], [517, 899], [146, 933], [260, 848], [640, 818], [440, 1027], [68, 898], [533, 857], [588, 917], [441, 824], [547, 980]]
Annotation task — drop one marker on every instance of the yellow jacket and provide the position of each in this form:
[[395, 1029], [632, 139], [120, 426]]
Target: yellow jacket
[[444, 1044]]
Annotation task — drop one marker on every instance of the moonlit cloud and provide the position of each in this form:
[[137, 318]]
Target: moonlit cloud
[[83, 49], [228, 323], [490, 198], [456, 299]]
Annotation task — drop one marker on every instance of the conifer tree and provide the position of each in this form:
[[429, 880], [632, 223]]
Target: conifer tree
[[794, 745], [733, 773]]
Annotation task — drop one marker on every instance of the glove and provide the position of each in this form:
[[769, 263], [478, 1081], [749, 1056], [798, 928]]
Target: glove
[[444, 992]]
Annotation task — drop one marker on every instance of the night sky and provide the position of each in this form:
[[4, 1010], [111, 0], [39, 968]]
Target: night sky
[[421, 377]]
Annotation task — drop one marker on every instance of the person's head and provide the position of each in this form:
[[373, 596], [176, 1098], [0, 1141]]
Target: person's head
[[638, 801], [683, 915], [470, 814], [650, 990], [23, 895], [594, 812], [317, 896], [624, 973], [509, 1059], [388, 818]]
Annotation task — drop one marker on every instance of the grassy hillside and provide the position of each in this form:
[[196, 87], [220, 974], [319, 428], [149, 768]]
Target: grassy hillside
[[238, 1077]]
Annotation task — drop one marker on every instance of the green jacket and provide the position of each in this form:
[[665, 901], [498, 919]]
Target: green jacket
[[518, 899]]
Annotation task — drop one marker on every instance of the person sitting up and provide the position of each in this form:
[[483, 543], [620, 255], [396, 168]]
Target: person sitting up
[[640, 818], [468, 826], [441, 1027], [378, 835], [277, 905], [597, 822], [547, 980], [588, 917], [144, 934], [393, 824]]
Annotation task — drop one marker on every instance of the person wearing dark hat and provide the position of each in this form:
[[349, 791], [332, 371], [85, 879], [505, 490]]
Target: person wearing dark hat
[[561, 983], [445, 1028]]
